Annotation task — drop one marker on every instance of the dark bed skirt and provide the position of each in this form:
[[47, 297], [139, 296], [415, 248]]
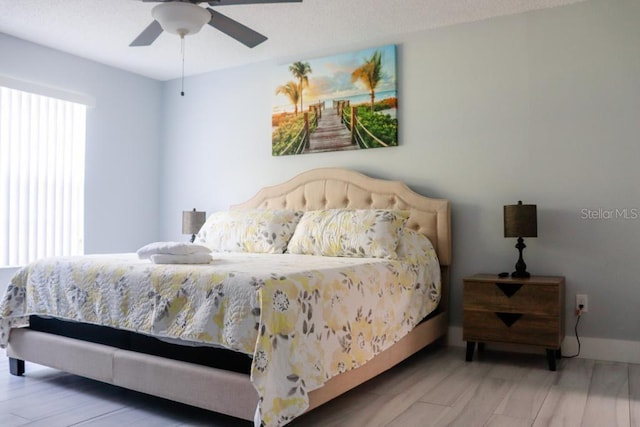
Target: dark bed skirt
[[201, 355]]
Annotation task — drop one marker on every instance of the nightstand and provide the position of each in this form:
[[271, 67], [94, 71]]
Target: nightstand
[[519, 311]]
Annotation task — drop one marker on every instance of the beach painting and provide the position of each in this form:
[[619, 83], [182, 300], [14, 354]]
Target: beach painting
[[341, 102]]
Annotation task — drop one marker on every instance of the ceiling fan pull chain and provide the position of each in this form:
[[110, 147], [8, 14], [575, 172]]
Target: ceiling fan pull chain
[[182, 48]]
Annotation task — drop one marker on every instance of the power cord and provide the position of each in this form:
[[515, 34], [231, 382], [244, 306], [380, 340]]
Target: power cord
[[575, 329]]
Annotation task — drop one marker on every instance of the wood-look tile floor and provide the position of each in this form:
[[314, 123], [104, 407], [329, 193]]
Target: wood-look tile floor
[[435, 387]]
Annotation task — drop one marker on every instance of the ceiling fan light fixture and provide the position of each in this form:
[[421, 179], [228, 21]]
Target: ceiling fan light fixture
[[180, 18]]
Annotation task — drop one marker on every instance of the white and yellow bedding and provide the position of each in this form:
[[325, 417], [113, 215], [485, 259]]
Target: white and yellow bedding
[[303, 318]]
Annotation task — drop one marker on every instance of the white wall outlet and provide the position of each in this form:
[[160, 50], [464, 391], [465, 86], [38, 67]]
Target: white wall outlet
[[582, 300]]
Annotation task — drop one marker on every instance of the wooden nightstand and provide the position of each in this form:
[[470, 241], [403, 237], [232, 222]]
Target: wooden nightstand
[[520, 311]]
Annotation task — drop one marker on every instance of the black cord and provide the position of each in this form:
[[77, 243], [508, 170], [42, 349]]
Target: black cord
[[182, 49], [575, 329]]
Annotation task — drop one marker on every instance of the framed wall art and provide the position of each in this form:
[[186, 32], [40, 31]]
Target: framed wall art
[[341, 102]]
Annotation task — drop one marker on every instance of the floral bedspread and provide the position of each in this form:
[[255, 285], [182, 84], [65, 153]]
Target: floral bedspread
[[303, 318]]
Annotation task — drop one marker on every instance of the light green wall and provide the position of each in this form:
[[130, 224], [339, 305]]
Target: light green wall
[[542, 107], [122, 144]]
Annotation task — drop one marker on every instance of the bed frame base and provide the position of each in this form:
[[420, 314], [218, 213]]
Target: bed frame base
[[214, 389]]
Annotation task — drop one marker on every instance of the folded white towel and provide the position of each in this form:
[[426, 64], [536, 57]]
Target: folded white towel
[[181, 259], [171, 248]]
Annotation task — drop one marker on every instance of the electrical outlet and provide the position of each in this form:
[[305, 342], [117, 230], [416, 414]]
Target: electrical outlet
[[582, 300]]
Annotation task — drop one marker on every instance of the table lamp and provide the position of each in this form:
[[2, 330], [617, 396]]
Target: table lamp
[[520, 221], [192, 222]]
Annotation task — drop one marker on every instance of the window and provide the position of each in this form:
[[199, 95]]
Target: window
[[42, 147]]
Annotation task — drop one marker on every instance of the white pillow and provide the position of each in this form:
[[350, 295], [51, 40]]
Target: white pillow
[[254, 230], [358, 233]]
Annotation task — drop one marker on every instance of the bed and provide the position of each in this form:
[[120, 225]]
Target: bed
[[235, 384]]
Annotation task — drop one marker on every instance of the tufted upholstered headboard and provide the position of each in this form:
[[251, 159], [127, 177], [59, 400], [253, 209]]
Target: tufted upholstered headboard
[[329, 188]]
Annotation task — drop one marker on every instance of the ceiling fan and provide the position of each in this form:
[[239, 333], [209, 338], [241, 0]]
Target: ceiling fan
[[185, 17]]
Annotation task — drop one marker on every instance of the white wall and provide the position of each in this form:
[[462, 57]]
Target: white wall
[[542, 107], [122, 148]]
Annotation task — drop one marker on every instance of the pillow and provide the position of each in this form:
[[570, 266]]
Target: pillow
[[358, 233], [258, 231], [415, 248]]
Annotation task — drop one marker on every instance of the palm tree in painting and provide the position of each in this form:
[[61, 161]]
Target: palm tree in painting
[[290, 90], [370, 73], [300, 71]]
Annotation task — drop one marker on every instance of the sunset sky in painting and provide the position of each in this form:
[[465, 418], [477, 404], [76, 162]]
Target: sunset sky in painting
[[331, 76]]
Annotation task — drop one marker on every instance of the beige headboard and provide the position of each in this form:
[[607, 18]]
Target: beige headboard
[[328, 188]]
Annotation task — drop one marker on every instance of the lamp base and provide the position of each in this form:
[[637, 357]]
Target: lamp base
[[521, 274], [521, 268]]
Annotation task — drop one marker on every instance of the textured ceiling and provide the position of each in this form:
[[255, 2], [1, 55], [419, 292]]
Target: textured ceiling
[[101, 30]]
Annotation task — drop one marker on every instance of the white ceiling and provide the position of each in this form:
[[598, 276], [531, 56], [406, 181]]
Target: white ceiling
[[101, 30]]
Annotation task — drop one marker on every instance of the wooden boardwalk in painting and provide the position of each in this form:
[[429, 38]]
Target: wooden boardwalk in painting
[[330, 135]]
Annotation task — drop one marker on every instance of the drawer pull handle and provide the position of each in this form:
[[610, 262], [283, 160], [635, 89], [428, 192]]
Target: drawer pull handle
[[509, 289], [509, 318]]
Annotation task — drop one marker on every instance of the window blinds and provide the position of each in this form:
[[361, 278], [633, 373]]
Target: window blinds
[[42, 151]]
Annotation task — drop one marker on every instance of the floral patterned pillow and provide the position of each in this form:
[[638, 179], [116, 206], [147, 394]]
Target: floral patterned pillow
[[415, 248], [258, 231], [359, 233]]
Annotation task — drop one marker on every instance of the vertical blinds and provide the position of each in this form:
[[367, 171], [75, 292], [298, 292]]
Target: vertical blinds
[[42, 151]]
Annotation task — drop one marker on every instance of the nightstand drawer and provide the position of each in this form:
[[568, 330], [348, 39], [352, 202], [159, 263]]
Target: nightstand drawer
[[518, 297], [511, 328]]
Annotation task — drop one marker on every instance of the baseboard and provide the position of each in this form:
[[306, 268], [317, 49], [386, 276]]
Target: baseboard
[[590, 348]]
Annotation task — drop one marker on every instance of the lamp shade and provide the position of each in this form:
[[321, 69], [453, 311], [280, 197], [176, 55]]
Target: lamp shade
[[192, 221], [520, 220], [180, 18]]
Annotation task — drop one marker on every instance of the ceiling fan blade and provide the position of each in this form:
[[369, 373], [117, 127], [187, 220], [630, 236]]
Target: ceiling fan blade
[[234, 2], [243, 34], [148, 35]]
